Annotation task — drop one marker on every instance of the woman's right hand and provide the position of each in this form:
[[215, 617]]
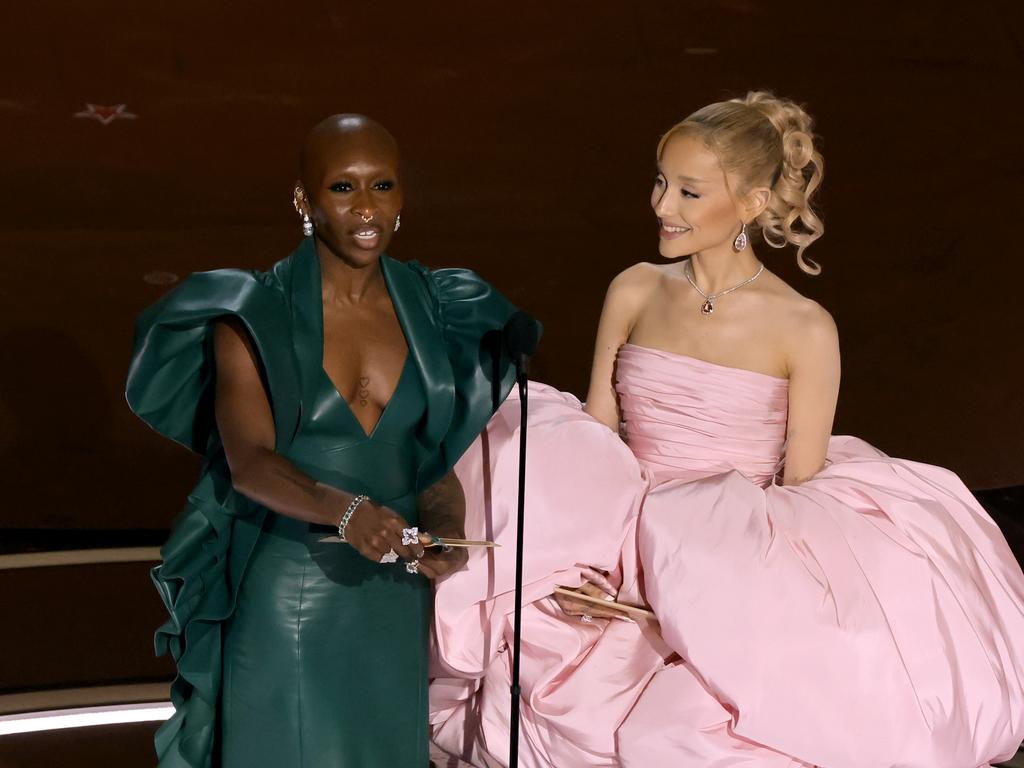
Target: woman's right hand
[[596, 585], [375, 530], [573, 607], [598, 579]]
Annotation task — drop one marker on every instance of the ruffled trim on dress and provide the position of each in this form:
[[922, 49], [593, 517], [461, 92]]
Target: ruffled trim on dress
[[170, 387], [203, 563]]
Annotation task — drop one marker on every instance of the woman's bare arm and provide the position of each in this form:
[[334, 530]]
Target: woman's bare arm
[[621, 306], [442, 510], [814, 373]]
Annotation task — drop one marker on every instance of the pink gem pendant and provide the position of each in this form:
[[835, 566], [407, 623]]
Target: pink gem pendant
[[707, 307]]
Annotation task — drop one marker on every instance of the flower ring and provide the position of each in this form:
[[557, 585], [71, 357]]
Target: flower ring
[[586, 618], [410, 536], [413, 566]]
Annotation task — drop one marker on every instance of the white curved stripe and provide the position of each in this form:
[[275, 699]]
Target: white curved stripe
[[79, 557], [81, 717]]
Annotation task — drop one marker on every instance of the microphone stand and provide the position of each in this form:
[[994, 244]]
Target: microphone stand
[[521, 379], [521, 334]]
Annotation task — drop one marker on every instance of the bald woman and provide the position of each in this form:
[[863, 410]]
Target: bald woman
[[329, 398]]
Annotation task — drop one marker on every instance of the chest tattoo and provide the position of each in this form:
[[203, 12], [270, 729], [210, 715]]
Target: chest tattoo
[[364, 390]]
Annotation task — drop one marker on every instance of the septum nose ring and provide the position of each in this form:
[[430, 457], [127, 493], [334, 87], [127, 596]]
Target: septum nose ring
[[366, 219]]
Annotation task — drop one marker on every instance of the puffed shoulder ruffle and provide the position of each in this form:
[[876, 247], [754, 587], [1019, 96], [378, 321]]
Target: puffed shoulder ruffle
[[471, 315], [169, 381]]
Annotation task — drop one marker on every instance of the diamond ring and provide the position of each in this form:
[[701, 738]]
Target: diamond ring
[[586, 618], [413, 566], [410, 536], [389, 557]]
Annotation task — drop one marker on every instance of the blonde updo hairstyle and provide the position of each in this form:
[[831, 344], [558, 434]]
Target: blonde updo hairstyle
[[766, 141]]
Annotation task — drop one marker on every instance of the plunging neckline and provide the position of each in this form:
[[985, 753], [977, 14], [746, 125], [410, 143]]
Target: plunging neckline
[[323, 349], [383, 412]]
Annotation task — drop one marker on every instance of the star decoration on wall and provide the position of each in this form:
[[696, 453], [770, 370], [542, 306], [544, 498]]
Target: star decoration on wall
[[106, 115]]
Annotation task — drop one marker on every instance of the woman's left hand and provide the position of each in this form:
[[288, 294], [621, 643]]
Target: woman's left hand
[[442, 510], [436, 563]]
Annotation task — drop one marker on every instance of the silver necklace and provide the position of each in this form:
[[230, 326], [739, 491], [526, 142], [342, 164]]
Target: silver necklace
[[709, 300]]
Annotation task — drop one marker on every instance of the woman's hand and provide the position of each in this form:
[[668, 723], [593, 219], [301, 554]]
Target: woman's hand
[[597, 585], [437, 563], [580, 608], [599, 579], [442, 511], [374, 530]]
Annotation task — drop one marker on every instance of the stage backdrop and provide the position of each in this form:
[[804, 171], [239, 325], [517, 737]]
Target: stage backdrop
[[142, 142]]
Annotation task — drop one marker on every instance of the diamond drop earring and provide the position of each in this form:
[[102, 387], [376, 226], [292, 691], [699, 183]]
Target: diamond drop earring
[[398, 222], [741, 240], [307, 225]]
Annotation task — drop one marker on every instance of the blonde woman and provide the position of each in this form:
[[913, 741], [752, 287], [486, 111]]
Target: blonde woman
[[817, 602]]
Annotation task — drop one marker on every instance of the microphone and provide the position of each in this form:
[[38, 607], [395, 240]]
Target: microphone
[[521, 334]]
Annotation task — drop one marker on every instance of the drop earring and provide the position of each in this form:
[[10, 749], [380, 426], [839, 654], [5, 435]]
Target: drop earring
[[741, 240], [299, 196], [398, 222]]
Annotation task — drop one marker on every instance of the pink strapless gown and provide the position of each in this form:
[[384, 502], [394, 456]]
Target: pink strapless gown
[[872, 616]]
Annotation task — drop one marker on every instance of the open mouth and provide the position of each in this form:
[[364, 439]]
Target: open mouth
[[669, 231], [367, 237]]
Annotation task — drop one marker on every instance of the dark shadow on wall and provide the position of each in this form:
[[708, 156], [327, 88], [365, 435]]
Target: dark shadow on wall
[[54, 452], [1006, 506]]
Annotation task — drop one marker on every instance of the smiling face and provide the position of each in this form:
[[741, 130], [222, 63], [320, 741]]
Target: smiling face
[[695, 209], [350, 187]]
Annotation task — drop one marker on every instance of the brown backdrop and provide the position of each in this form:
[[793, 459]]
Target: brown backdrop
[[528, 131]]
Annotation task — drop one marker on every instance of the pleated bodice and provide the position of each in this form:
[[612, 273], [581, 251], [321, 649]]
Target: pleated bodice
[[688, 418]]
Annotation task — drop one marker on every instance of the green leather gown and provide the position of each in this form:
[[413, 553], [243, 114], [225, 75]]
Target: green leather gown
[[292, 652]]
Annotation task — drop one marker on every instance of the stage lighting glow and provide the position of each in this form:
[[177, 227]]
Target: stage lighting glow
[[81, 717]]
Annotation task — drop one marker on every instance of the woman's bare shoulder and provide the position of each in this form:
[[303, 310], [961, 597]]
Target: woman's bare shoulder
[[801, 321], [806, 330]]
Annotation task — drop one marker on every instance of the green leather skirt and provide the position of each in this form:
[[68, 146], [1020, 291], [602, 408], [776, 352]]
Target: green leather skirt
[[324, 658]]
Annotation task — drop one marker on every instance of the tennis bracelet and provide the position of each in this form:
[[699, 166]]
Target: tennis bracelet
[[343, 523]]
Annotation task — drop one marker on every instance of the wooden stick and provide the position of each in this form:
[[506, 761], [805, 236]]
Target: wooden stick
[[615, 606]]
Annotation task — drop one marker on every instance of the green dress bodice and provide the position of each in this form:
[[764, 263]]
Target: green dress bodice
[[360, 628], [333, 446]]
